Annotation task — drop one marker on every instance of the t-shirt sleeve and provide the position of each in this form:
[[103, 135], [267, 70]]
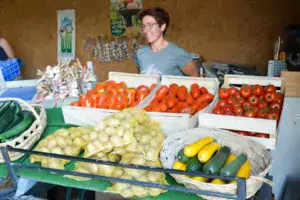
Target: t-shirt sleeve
[[183, 58], [136, 59]]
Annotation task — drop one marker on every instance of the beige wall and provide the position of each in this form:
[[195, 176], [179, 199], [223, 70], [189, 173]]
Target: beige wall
[[238, 31]]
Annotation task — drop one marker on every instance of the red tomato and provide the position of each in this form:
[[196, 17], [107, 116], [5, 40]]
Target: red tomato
[[253, 100], [251, 134], [110, 83], [270, 97], [246, 105], [110, 100], [121, 87], [111, 89], [195, 93], [244, 133], [238, 111], [254, 109], [246, 91], [90, 93], [189, 99], [163, 107], [223, 93], [75, 103], [262, 103], [152, 87], [239, 98], [100, 101], [195, 86], [161, 93], [87, 102], [257, 90], [236, 105], [142, 95], [208, 97], [231, 100], [203, 90], [147, 108], [154, 103], [279, 97], [273, 116], [233, 91], [275, 105], [171, 101], [201, 106], [142, 88], [262, 113], [131, 94], [226, 108], [221, 103], [262, 135], [229, 113], [182, 93], [249, 113], [173, 88], [117, 106], [100, 86], [270, 88], [187, 110], [218, 111]]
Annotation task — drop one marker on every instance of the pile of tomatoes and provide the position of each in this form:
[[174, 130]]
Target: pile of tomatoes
[[178, 99], [112, 95], [250, 101]]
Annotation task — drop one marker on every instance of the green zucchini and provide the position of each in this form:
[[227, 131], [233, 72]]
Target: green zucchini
[[4, 107], [215, 164], [194, 165], [28, 119], [234, 166], [181, 157], [17, 117], [7, 118]]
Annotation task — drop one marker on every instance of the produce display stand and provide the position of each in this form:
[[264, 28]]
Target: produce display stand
[[25, 169]]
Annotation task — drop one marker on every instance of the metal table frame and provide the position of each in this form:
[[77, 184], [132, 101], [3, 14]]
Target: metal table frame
[[241, 182]]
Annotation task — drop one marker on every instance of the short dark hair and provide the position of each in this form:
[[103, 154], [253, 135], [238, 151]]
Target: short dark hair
[[159, 14]]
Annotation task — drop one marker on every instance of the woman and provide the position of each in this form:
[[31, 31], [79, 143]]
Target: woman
[[6, 51], [161, 57]]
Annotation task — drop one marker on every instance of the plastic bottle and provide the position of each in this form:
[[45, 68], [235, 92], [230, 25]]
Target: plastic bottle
[[90, 67]]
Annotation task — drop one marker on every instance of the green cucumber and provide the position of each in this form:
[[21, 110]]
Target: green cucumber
[[194, 165], [181, 157], [4, 107], [232, 168], [28, 119], [17, 117], [215, 164], [7, 118]]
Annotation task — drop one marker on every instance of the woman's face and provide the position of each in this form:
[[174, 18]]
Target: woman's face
[[151, 29]]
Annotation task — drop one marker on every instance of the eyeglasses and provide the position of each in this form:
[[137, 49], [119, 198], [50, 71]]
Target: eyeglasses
[[149, 26]]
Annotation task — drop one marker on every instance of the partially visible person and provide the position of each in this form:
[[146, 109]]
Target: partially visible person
[[161, 57], [6, 51]]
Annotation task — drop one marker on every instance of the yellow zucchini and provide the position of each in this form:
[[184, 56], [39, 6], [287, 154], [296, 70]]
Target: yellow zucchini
[[200, 178], [179, 166], [207, 151], [230, 158], [245, 170], [192, 149], [218, 181]]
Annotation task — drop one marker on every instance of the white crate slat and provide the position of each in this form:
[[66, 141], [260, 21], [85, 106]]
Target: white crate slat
[[243, 123]]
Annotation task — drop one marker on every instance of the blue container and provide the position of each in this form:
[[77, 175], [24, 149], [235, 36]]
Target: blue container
[[10, 69]]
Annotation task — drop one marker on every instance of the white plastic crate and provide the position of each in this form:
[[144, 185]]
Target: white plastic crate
[[83, 116], [176, 122], [244, 123]]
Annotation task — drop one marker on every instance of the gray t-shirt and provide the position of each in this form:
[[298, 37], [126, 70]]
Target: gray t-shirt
[[168, 61]]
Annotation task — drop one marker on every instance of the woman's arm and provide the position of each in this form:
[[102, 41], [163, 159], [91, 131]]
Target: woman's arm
[[190, 69], [7, 48]]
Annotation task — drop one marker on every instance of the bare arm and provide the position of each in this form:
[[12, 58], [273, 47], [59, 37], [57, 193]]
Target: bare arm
[[7, 48], [190, 69]]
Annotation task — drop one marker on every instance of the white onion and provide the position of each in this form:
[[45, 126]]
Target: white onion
[[127, 137], [110, 130], [119, 131], [57, 150], [93, 135], [60, 141], [113, 122], [100, 126], [79, 142], [93, 168], [116, 140], [90, 147], [97, 144], [103, 138], [51, 143]]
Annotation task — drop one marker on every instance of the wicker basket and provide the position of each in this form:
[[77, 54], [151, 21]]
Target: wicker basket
[[27, 139], [258, 157]]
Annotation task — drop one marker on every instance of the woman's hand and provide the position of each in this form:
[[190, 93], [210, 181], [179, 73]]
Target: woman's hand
[[7, 48], [190, 69]]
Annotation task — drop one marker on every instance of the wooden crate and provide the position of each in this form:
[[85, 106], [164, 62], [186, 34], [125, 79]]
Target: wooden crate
[[244, 123], [83, 116], [176, 122]]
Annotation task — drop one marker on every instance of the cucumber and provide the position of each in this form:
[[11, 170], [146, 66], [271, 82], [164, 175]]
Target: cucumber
[[4, 107], [17, 117], [181, 157], [194, 165], [215, 164], [234, 166], [7, 118], [26, 122]]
